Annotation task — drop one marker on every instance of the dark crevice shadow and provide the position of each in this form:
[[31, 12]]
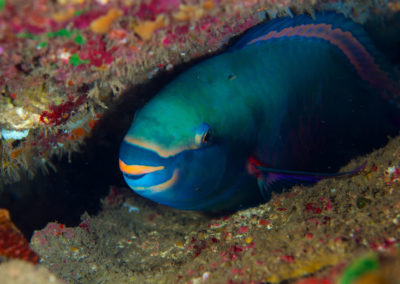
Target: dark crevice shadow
[[79, 184]]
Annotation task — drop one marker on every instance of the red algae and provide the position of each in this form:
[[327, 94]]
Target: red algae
[[12, 243], [102, 46], [59, 114], [59, 76], [149, 11]]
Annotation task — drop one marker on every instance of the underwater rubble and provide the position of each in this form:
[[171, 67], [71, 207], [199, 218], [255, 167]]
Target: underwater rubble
[[305, 235], [21, 272], [12, 242], [65, 65], [18, 262]]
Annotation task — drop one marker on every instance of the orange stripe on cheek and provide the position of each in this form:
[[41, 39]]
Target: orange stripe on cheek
[[138, 169]]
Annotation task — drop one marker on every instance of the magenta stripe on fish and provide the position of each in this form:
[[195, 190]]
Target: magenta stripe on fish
[[357, 54]]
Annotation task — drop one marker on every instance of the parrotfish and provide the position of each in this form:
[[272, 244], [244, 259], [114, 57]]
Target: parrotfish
[[286, 104]]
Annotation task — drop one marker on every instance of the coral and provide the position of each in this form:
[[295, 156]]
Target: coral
[[60, 113], [64, 62], [360, 268], [56, 57], [151, 10], [12, 243], [102, 24], [96, 53], [145, 29], [64, 15], [22, 272], [192, 12]]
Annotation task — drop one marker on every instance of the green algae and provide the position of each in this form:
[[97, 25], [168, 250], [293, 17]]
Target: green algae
[[358, 268], [27, 35], [61, 33], [76, 60], [79, 39]]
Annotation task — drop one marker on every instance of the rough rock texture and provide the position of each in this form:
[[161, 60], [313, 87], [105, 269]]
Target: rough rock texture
[[64, 67], [12, 242], [306, 231], [21, 272], [64, 63]]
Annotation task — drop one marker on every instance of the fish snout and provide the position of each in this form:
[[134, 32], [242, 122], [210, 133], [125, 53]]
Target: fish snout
[[149, 180], [146, 172]]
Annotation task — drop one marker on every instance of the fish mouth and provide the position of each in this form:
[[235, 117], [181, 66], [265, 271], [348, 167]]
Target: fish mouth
[[160, 186], [149, 178], [134, 176]]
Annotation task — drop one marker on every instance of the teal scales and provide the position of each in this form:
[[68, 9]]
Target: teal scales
[[292, 99]]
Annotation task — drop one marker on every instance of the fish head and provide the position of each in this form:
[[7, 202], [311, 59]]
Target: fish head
[[170, 155]]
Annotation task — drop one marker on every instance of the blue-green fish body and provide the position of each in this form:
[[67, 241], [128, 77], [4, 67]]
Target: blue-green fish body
[[288, 97]]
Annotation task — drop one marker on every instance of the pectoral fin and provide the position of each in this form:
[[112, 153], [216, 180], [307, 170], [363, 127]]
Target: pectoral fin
[[271, 179]]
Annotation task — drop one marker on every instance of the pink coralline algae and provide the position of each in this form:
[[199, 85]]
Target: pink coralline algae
[[156, 7], [83, 21], [392, 174], [234, 252], [314, 281], [243, 229], [176, 34], [313, 207], [96, 52], [317, 208], [59, 114], [114, 198], [53, 230]]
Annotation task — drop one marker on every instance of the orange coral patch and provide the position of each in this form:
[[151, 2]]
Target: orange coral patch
[[119, 34], [189, 12], [77, 133], [16, 153], [64, 16], [12, 243], [208, 5], [146, 29], [102, 25], [92, 123]]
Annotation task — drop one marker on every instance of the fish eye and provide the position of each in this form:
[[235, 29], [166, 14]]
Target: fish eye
[[203, 134], [206, 137]]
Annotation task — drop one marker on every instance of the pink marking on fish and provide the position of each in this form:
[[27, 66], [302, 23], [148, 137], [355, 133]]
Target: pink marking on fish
[[357, 54]]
